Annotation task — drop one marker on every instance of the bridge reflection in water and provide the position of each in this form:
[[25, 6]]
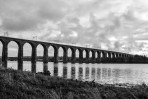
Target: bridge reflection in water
[[101, 73]]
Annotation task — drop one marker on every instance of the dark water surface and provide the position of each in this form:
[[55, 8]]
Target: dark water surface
[[101, 73]]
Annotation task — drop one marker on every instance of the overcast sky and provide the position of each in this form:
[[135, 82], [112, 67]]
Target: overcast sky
[[112, 24]]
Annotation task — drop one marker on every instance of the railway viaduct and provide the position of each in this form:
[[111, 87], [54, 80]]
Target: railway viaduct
[[98, 55]]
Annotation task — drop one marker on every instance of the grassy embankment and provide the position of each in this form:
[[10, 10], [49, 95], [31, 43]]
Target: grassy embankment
[[25, 85]]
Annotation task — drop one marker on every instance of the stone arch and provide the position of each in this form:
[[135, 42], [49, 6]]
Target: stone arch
[[40, 51], [39, 57], [61, 51], [74, 52], [84, 53], [80, 55], [115, 55], [45, 52], [96, 54], [32, 44], [64, 53], [77, 53], [90, 54], [93, 58], [98, 58], [107, 54], [101, 54], [54, 51], [93, 53], [51, 51], [27, 52], [13, 54], [69, 52]]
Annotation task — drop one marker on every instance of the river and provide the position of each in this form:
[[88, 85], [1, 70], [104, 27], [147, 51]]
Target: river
[[100, 73]]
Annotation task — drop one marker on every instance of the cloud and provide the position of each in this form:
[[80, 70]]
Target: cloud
[[118, 24], [21, 15]]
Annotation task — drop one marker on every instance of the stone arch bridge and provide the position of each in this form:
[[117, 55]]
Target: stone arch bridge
[[98, 55]]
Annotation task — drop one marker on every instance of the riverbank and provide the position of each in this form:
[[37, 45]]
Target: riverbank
[[25, 85]]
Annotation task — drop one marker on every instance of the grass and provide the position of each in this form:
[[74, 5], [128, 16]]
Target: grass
[[26, 85]]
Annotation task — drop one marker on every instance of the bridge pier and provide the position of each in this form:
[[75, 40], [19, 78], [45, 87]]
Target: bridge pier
[[113, 57], [87, 60], [120, 58], [103, 60], [45, 59], [5, 54], [98, 57], [109, 57], [124, 61], [33, 58], [80, 56], [117, 57], [126, 58], [56, 54], [73, 56], [20, 57], [65, 56], [93, 57]]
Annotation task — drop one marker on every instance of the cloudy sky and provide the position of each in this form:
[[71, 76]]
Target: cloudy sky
[[120, 25]]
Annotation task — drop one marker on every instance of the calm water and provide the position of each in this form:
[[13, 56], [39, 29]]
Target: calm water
[[101, 73]]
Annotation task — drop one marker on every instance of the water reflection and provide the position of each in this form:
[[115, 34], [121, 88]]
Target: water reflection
[[87, 73], [55, 70], [102, 73], [73, 72]]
